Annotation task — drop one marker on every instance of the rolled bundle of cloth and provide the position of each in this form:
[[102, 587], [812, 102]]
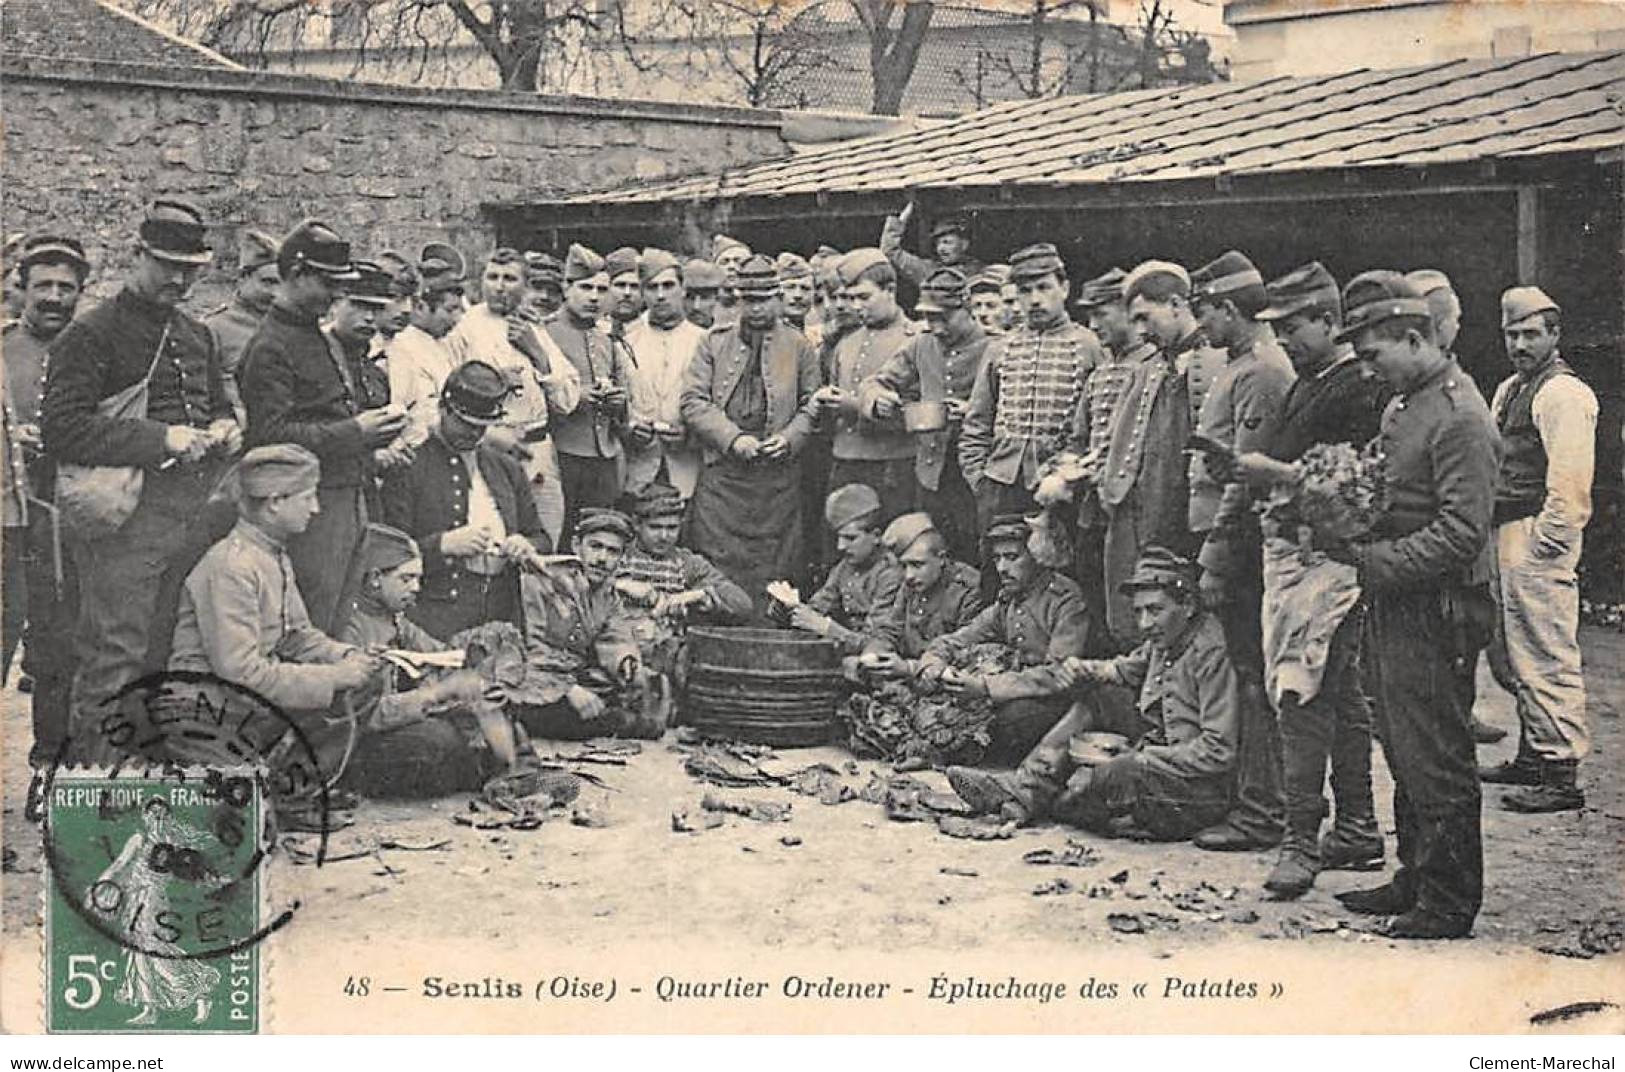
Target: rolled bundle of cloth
[[1306, 597]]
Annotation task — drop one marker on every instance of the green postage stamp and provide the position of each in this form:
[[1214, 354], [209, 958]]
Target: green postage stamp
[[153, 901]]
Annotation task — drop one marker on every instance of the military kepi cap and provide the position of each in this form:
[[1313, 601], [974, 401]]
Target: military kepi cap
[[404, 281], [793, 266], [849, 503], [1146, 271], [315, 245], [476, 392], [371, 285], [53, 249], [942, 291], [702, 275], [958, 225], [174, 231], [1159, 568], [1310, 287], [1007, 528], [1105, 289], [1229, 273], [1377, 296], [255, 249], [447, 254], [277, 469], [758, 276], [384, 547], [1036, 260], [904, 530], [1521, 303]]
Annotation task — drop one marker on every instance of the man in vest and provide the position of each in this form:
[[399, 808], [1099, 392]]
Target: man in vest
[[1027, 394], [1548, 422], [938, 365]]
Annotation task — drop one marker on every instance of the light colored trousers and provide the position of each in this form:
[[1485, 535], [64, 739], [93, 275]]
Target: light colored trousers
[[1540, 614], [548, 487]]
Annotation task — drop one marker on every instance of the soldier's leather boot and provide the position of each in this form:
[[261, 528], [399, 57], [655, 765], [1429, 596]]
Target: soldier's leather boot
[[1293, 874], [1389, 899], [1428, 926], [1557, 790], [1522, 769]]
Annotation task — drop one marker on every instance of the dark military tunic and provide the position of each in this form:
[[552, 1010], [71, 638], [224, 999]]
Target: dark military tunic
[[917, 618], [857, 598]]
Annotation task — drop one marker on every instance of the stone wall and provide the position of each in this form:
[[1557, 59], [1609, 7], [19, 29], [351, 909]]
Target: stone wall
[[87, 144]]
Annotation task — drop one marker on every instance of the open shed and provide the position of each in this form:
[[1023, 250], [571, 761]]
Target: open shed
[[1497, 171]]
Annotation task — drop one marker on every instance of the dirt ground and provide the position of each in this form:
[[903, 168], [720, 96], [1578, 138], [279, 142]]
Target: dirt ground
[[845, 877]]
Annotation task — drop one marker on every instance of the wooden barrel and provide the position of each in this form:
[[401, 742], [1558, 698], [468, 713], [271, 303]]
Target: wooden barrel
[[766, 686]]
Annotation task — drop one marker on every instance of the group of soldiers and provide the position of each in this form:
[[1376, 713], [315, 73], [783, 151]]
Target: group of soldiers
[[358, 455]]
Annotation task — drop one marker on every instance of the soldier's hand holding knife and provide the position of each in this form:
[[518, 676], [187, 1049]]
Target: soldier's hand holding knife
[[355, 669]]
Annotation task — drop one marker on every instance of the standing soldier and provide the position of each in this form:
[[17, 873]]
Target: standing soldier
[[701, 282], [299, 391], [589, 438], [1027, 394], [1441, 455], [729, 254], [950, 243], [797, 287], [938, 365], [139, 334], [417, 360], [867, 449], [1332, 400], [1100, 300], [1478, 617], [625, 291], [235, 322], [1239, 415], [41, 586], [544, 382], [1547, 417], [745, 401], [663, 342]]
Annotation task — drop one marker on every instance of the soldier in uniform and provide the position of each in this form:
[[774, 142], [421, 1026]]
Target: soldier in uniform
[[745, 402], [865, 448], [1239, 414], [684, 578], [242, 617], [702, 280], [625, 297], [939, 594], [396, 313], [797, 290], [864, 582], [1478, 617], [1027, 394], [299, 390], [1041, 617], [938, 365], [1178, 776], [41, 586], [235, 322], [950, 247], [1332, 400], [179, 444], [416, 742], [1100, 301], [469, 505], [416, 360], [663, 342], [1441, 453], [1547, 417], [591, 462], [546, 387], [730, 255], [986, 303]]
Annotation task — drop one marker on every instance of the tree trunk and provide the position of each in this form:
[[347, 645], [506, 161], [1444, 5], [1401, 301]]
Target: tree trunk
[[893, 54]]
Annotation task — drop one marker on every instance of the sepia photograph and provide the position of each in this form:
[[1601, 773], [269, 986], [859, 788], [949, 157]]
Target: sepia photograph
[[856, 517]]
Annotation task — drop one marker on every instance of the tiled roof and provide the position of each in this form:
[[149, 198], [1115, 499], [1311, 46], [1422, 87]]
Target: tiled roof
[[92, 30], [1461, 110]]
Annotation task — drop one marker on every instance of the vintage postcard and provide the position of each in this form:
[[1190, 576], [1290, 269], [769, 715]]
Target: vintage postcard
[[813, 516]]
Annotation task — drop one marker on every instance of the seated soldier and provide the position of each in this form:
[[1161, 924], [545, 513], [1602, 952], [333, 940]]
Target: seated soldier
[[863, 584], [683, 586], [1040, 617], [1178, 777], [242, 619], [470, 507], [938, 595], [410, 747], [583, 629]]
